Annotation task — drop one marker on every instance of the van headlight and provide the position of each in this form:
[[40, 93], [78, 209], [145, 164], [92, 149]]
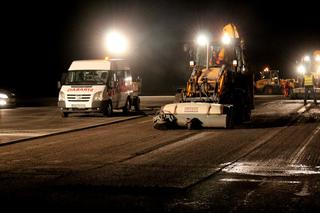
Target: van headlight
[[4, 96], [98, 96], [62, 96], [3, 103]]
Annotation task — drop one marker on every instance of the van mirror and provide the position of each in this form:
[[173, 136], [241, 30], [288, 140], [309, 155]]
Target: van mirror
[[63, 78], [59, 84]]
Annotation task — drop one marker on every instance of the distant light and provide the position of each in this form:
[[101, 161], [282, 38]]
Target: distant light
[[106, 58], [307, 58], [234, 62], [317, 58], [301, 69], [191, 63], [116, 43], [2, 95], [226, 39], [266, 69], [3, 103], [202, 40]]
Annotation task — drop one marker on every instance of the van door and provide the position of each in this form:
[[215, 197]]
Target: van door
[[113, 89], [122, 88]]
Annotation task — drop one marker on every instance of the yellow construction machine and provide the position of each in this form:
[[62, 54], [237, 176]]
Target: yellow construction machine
[[219, 91]]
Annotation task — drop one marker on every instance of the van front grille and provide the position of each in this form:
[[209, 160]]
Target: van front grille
[[78, 97]]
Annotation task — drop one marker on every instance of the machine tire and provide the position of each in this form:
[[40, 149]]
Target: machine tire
[[126, 109], [160, 126], [241, 110], [64, 114], [194, 123], [107, 109], [230, 118], [247, 114]]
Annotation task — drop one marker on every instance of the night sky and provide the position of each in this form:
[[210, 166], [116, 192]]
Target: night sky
[[41, 38]]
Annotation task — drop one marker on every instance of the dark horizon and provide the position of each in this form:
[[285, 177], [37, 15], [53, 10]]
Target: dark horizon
[[41, 39]]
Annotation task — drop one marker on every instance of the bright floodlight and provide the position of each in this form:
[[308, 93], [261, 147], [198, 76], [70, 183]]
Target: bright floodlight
[[301, 69], [226, 39], [202, 40], [116, 43], [306, 58]]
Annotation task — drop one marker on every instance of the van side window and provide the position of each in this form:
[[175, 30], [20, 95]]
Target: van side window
[[104, 76], [128, 77], [126, 74], [114, 77], [120, 75]]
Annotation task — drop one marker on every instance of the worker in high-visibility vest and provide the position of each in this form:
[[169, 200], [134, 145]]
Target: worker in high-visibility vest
[[309, 84]]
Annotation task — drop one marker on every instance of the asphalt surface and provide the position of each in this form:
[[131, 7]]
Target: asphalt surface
[[269, 164]]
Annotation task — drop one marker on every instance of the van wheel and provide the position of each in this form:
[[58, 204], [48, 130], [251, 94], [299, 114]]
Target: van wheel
[[107, 110], [136, 104], [127, 107], [64, 114]]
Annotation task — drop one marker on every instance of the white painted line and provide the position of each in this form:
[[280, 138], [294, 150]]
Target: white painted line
[[23, 134], [304, 108], [147, 121], [258, 180], [262, 169]]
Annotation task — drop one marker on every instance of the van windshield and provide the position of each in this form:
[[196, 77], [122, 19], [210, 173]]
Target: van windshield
[[91, 77]]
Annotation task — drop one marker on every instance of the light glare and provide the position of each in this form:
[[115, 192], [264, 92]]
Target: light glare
[[2, 95], [226, 39], [3, 103], [116, 43], [202, 40], [306, 58], [301, 69]]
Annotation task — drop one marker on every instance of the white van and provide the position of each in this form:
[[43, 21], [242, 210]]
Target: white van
[[98, 86]]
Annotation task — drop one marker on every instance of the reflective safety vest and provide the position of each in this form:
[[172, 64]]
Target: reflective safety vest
[[308, 80]]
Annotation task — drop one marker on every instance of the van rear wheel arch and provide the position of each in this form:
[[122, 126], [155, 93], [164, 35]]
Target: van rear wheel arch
[[107, 108], [127, 106]]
